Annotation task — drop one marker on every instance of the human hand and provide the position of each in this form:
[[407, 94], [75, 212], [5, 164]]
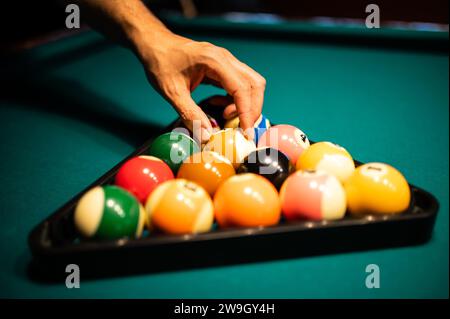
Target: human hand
[[175, 66]]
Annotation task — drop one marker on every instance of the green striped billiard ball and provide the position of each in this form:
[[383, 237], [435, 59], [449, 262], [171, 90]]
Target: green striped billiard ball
[[173, 148], [109, 212]]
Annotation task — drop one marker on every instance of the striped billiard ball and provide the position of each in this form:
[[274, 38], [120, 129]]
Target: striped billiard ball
[[260, 126], [312, 195], [287, 139], [109, 212], [328, 157], [179, 207]]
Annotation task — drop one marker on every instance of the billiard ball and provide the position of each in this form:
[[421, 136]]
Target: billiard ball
[[246, 200], [261, 125], [269, 163], [312, 195], [141, 174], [328, 157], [377, 188], [173, 148], [109, 212], [232, 144], [207, 169], [179, 207], [287, 139], [232, 123]]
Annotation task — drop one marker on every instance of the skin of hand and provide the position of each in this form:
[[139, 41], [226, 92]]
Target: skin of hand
[[176, 66]]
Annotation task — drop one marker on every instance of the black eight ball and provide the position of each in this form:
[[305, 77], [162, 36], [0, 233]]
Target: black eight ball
[[269, 163]]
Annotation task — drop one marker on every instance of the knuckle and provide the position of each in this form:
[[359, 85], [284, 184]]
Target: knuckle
[[262, 82], [224, 51], [205, 44], [171, 91], [259, 84], [244, 88], [187, 114], [212, 53], [208, 49]]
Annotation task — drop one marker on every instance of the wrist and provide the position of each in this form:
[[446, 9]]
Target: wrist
[[145, 41]]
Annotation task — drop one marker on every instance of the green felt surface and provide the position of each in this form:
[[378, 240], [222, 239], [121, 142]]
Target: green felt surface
[[84, 104]]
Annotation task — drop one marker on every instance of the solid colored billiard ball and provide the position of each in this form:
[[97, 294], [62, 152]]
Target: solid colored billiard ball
[[269, 163], [232, 123], [261, 125], [208, 169], [377, 188], [313, 195], [247, 200], [232, 144], [287, 139], [179, 207], [141, 174], [173, 148], [109, 212], [328, 157]]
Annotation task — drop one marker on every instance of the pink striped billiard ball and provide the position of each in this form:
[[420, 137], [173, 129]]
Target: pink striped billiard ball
[[287, 139], [312, 195]]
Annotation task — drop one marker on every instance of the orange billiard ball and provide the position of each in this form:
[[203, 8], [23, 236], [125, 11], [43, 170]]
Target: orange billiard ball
[[179, 207], [246, 200], [207, 169]]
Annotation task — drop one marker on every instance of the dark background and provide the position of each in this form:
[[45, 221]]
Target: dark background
[[25, 20]]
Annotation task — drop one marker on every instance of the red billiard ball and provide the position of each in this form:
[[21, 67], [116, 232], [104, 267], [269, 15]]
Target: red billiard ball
[[142, 174]]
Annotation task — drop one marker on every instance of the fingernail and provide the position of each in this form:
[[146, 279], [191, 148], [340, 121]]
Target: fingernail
[[205, 135]]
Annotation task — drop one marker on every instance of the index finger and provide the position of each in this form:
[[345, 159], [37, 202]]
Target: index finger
[[238, 85]]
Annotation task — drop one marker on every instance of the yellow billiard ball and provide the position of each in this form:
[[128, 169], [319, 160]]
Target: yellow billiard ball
[[328, 157], [233, 123], [377, 188]]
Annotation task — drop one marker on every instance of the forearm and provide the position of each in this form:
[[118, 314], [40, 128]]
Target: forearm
[[176, 65], [127, 22]]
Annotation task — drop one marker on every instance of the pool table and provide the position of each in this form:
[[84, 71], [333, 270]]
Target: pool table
[[73, 108]]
